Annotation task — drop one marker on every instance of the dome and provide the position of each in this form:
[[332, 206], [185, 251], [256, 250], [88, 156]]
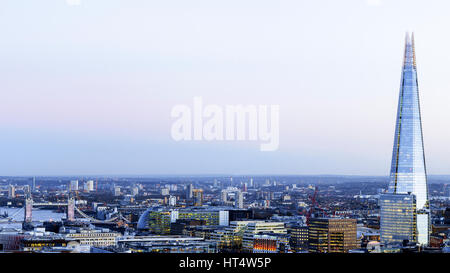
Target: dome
[[143, 220]]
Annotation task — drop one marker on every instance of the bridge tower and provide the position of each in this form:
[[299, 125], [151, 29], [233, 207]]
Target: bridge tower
[[71, 209], [28, 210]]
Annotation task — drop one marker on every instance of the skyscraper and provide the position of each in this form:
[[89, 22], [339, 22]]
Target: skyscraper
[[33, 185], [189, 191], [198, 197], [239, 200], [73, 185], [11, 191], [408, 172]]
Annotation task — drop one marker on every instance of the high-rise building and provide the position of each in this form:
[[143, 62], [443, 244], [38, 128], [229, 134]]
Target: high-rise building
[[198, 197], [397, 221], [299, 238], [116, 190], [89, 186], [172, 201], [33, 185], [189, 191], [134, 190], [11, 191], [73, 185], [239, 200], [224, 196], [408, 171], [26, 190], [165, 191], [327, 235]]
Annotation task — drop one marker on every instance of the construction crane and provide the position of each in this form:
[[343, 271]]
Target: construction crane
[[314, 205]]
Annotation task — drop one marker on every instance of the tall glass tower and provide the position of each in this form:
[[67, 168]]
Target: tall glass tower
[[408, 171]]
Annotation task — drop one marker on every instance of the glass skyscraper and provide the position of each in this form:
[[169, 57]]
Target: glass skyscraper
[[408, 171]]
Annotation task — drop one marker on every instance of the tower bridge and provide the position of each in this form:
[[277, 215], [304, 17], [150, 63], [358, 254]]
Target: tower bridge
[[70, 212]]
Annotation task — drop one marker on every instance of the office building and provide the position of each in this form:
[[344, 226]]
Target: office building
[[96, 238], [299, 238], [257, 227], [165, 191], [397, 219], [89, 186], [134, 190], [11, 191], [189, 191], [159, 222], [117, 191], [33, 184], [198, 197], [239, 200], [73, 185], [327, 235], [172, 201]]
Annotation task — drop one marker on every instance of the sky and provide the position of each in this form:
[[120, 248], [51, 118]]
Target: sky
[[87, 86]]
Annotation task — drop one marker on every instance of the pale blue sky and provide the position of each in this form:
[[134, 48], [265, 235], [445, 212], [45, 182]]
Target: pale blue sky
[[88, 89]]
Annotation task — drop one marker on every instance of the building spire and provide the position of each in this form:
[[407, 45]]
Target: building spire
[[413, 50], [408, 174], [410, 55]]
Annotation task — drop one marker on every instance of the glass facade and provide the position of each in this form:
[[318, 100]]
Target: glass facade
[[328, 235], [397, 219], [408, 171], [299, 238]]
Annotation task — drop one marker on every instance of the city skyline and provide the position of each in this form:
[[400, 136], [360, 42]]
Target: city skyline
[[86, 91]]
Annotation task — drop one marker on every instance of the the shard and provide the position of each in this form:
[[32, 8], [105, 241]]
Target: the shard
[[408, 171]]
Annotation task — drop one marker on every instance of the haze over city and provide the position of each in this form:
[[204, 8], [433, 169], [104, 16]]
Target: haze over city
[[88, 88]]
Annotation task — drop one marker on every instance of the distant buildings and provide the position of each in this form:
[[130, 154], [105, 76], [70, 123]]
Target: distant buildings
[[134, 190], [164, 191], [89, 186], [198, 197], [73, 185], [117, 191], [158, 220], [33, 184], [238, 197], [172, 201], [189, 191], [11, 191], [239, 202]]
